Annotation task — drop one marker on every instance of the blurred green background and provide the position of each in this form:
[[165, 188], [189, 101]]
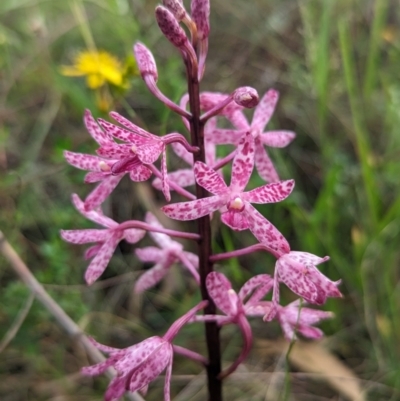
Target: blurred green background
[[336, 65]]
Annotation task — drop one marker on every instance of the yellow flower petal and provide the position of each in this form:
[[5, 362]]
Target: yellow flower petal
[[94, 81], [71, 71]]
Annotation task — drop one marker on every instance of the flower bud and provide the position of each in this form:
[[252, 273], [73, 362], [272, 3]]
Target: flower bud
[[145, 61], [200, 12], [246, 96], [176, 7], [170, 27]]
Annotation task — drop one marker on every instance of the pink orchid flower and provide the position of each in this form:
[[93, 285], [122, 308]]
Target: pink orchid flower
[[147, 147], [238, 213], [236, 308], [295, 318], [168, 253], [109, 169], [141, 363], [106, 239], [298, 271], [276, 139]]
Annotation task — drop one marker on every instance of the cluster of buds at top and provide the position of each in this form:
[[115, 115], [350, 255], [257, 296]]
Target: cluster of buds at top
[[128, 149]]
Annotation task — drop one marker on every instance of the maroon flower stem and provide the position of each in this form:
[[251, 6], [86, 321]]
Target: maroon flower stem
[[204, 244], [148, 227], [244, 251]]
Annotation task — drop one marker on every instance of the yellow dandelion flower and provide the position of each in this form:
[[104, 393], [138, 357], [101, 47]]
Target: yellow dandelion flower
[[98, 67]]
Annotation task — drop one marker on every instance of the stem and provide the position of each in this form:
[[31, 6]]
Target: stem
[[204, 229]]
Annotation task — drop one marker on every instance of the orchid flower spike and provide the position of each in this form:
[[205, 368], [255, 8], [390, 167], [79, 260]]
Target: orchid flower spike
[[141, 363], [106, 239], [168, 253], [238, 213]]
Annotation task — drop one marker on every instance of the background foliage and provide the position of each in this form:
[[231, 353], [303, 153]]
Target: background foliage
[[335, 63]]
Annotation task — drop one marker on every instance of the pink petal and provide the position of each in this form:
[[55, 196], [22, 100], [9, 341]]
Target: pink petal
[[193, 258], [84, 236], [115, 389], [94, 130], [164, 241], [270, 193], [264, 165], [98, 368], [93, 177], [149, 152], [306, 280], [101, 260], [167, 384], [151, 277], [92, 251], [85, 162], [236, 220], [223, 136], [115, 151], [104, 348], [125, 164], [261, 308], [102, 191], [181, 152], [140, 174], [265, 232], [193, 209], [277, 139], [149, 254], [134, 356], [260, 284], [164, 177], [217, 287], [122, 134], [264, 110], [243, 163], [151, 367], [184, 178], [131, 126], [94, 215], [133, 235], [209, 179]]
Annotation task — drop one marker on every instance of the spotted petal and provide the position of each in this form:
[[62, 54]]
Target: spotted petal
[[149, 254], [306, 280], [131, 126], [265, 232], [270, 193], [259, 285], [277, 139], [243, 163], [264, 110], [151, 277], [84, 236], [88, 162], [164, 241], [209, 179], [263, 163], [102, 191], [100, 261], [218, 286], [95, 131], [193, 209]]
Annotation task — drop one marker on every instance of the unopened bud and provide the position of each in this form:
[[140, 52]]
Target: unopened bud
[[170, 27], [246, 97], [176, 7], [200, 12], [145, 61]]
